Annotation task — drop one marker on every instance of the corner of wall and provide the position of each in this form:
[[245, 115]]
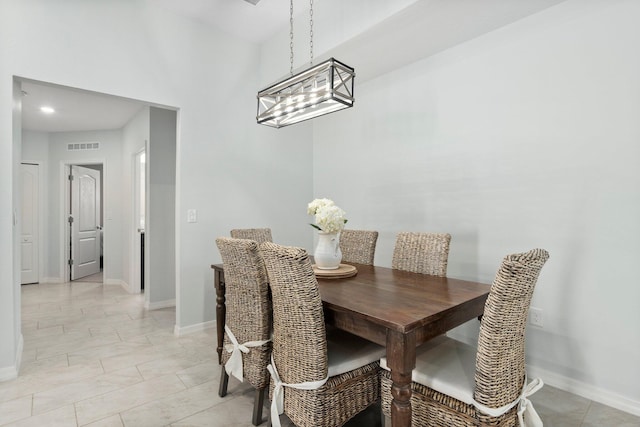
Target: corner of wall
[[180, 331], [11, 372]]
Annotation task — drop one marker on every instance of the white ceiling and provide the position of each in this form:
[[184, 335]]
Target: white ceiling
[[437, 24], [238, 17], [75, 110]]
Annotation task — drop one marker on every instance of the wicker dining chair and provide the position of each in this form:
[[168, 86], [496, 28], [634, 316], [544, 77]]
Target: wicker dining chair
[[462, 385], [248, 319], [358, 246], [260, 235], [425, 253], [316, 380]]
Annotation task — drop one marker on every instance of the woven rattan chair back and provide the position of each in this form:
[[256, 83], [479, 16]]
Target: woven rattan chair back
[[299, 338], [260, 235], [358, 246], [248, 309], [248, 313], [426, 253], [500, 361], [499, 370]]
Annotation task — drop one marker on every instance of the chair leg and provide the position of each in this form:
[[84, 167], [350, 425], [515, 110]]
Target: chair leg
[[258, 404], [224, 381]]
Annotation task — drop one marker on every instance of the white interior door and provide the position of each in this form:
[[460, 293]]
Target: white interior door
[[85, 222], [30, 236]]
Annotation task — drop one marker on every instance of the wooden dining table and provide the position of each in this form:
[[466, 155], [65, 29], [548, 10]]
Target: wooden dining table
[[396, 309]]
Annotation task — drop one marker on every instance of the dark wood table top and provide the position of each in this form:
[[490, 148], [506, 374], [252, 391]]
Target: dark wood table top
[[399, 300]]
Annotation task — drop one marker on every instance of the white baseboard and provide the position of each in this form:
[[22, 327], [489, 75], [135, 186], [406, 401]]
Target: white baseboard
[[52, 280], [117, 282], [11, 372], [585, 390], [8, 373], [159, 304], [178, 331], [19, 353]]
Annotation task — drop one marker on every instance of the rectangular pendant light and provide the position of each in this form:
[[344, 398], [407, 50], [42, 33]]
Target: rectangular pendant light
[[319, 90]]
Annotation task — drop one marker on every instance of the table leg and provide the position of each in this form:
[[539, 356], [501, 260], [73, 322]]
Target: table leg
[[401, 359], [221, 309]]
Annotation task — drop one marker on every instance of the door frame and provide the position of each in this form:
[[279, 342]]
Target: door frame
[[65, 197], [137, 267]]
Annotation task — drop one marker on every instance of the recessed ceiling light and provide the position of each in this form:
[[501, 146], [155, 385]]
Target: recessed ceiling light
[[47, 110]]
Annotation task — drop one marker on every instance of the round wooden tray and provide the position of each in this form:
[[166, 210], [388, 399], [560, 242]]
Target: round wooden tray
[[343, 271]]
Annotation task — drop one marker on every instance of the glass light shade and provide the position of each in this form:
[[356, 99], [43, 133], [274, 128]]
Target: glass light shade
[[319, 90]]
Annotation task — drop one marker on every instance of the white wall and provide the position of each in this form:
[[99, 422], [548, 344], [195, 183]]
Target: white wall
[[50, 151], [17, 228], [11, 188], [35, 146], [110, 154], [160, 227], [334, 21], [228, 168], [525, 137]]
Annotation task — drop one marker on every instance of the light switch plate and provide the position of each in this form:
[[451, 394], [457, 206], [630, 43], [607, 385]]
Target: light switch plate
[[192, 215]]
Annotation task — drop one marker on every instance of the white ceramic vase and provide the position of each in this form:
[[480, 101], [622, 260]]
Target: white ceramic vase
[[328, 254]]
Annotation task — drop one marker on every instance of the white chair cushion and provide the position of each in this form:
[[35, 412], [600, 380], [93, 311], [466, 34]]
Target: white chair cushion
[[447, 366], [347, 352]]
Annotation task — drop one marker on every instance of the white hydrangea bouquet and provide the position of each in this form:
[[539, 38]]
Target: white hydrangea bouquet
[[329, 217]]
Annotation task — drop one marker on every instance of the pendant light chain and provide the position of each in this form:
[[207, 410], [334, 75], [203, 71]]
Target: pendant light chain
[[311, 30], [320, 89], [291, 36]]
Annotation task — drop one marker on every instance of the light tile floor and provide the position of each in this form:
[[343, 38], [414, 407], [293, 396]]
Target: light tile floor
[[94, 278], [94, 356]]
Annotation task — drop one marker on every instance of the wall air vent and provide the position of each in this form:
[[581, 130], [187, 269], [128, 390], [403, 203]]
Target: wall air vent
[[76, 146]]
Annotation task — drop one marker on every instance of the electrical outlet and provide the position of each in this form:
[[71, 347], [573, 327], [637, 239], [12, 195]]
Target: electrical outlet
[[535, 317]]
